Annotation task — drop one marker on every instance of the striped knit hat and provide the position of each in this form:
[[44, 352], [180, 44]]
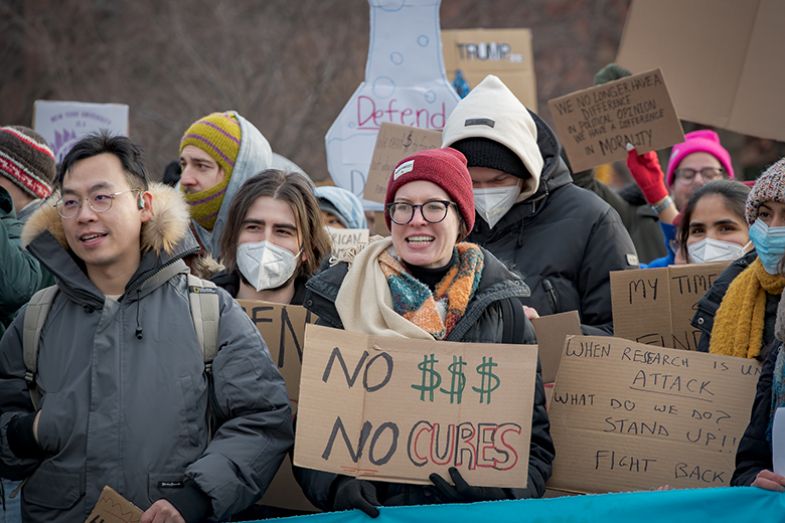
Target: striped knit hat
[[27, 160], [770, 186], [217, 134]]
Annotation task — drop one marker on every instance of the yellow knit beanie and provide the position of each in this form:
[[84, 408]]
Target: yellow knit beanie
[[217, 134]]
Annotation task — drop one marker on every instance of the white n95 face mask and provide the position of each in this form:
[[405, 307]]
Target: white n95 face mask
[[493, 203], [709, 250], [265, 265]]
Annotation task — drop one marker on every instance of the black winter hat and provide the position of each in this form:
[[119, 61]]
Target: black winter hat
[[482, 152]]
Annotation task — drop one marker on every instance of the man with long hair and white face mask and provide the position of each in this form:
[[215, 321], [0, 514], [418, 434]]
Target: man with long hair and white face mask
[[562, 239], [274, 239]]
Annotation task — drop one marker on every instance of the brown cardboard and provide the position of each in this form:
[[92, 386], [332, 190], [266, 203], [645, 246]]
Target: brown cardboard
[[394, 143], [283, 328], [347, 242], [627, 416], [656, 306], [551, 332], [111, 507], [732, 83], [373, 395], [506, 53], [378, 227], [595, 124]]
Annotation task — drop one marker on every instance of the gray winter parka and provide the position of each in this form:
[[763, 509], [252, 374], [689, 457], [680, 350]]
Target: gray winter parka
[[125, 396]]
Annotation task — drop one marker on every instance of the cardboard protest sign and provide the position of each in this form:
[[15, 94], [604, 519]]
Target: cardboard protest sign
[[63, 124], [283, 329], [745, 71], [111, 507], [397, 409], [551, 333], [596, 124], [347, 242], [394, 143], [506, 53], [656, 306], [630, 416], [404, 84]]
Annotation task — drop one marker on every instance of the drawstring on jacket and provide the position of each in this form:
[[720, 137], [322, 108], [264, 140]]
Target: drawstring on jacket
[[139, 329]]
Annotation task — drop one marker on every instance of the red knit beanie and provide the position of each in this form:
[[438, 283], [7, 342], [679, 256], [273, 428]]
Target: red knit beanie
[[444, 167]]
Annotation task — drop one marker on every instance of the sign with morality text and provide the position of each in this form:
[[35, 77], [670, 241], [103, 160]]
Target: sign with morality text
[[628, 416], [111, 507], [506, 53], [596, 124], [394, 143], [656, 306], [62, 124], [397, 409]]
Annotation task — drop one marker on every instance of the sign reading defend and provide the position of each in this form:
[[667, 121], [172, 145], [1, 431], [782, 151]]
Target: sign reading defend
[[596, 124], [397, 409], [656, 306], [628, 416]]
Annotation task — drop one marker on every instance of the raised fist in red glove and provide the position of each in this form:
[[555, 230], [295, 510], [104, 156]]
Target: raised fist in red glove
[[645, 169]]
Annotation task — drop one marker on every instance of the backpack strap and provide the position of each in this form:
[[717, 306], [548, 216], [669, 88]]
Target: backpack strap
[[35, 317], [513, 321], [205, 312]]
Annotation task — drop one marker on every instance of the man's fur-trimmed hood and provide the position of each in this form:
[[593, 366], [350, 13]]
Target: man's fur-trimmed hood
[[168, 226]]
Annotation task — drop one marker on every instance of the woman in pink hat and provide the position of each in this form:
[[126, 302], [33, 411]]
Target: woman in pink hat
[[693, 163]]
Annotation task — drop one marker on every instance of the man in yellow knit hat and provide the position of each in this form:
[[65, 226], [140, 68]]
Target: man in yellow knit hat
[[217, 154]]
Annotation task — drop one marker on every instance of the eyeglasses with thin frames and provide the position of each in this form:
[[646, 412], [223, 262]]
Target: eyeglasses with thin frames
[[433, 211], [707, 173], [69, 207]]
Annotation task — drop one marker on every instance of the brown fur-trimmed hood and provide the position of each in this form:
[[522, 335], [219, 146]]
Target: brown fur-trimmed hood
[[168, 226]]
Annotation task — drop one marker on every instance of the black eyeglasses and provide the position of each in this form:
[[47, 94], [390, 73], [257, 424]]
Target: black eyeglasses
[[433, 211], [707, 173]]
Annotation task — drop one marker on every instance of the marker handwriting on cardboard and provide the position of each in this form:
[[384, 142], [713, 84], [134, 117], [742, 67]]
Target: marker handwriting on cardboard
[[399, 409], [626, 415]]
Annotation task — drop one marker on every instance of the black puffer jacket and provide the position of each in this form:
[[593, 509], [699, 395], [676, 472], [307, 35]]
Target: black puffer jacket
[[480, 324], [708, 305], [563, 241], [754, 452]]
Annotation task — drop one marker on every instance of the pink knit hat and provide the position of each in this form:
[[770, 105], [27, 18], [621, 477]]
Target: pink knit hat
[[703, 141]]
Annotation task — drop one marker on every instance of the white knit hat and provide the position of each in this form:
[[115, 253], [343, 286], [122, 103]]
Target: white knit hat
[[491, 111]]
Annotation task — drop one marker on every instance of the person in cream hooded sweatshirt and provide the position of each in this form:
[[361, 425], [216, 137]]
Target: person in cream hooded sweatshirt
[[563, 240]]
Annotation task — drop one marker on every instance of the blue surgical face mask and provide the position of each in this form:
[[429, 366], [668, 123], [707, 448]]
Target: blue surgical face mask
[[769, 243]]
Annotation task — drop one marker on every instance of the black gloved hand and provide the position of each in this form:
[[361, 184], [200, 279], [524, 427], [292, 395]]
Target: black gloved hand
[[356, 493], [462, 492]]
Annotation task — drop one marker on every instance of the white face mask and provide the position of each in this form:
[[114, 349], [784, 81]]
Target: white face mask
[[265, 265], [709, 250], [492, 204]]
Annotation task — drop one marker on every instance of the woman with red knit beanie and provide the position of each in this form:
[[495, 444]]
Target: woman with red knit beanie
[[425, 282]]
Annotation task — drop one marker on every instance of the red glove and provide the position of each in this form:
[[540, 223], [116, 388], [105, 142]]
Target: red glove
[[645, 169]]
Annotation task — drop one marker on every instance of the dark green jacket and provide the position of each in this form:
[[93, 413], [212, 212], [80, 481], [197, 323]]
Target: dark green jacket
[[20, 273]]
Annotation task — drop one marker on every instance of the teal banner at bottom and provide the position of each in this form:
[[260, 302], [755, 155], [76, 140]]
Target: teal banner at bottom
[[674, 506]]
